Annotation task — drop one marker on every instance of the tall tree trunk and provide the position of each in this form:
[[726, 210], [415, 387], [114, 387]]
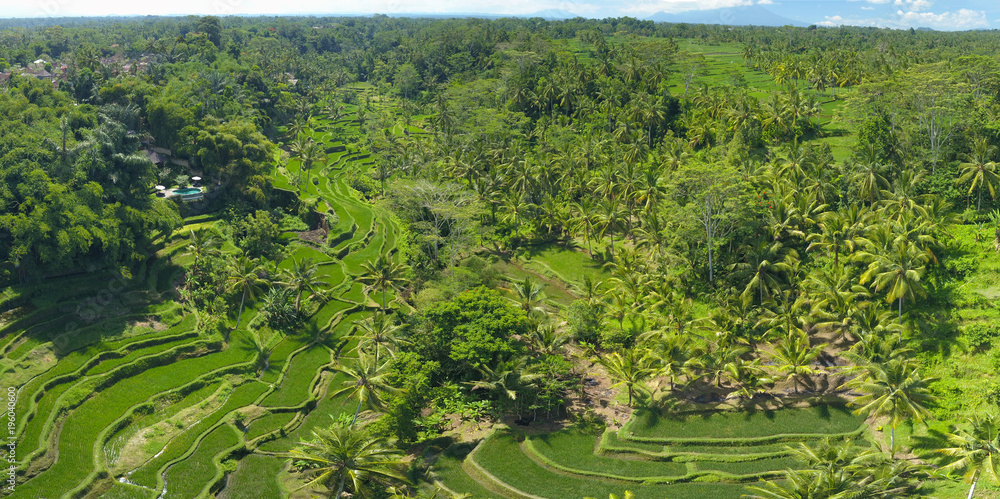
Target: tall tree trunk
[[340, 487], [240, 314], [892, 442], [900, 309], [612, 245], [974, 482], [710, 274], [355, 419]]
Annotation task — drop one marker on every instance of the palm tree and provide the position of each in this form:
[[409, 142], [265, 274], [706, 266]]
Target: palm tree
[[379, 331], [202, 244], [340, 456], [980, 171], [977, 450], [301, 277], [528, 294], [794, 356], [312, 153], [893, 389], [808, 484], [766, 266], [630, 369], [508, 379], [610, 218], [548, 339], [868, 178], [384, 273], [837, 232], [899, 270], [244, 276], [368, 383]]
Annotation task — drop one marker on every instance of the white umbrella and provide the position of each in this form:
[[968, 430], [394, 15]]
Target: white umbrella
[[196, 178], [160, 187]]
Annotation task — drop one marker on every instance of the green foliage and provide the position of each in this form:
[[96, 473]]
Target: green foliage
[[256, 234], [585, 320], [476, 328], [979, 334], [726, 426]]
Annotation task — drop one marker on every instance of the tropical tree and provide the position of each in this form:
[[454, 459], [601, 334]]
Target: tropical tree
[[383, 274], [244, 277], [837, 233], [808, 484], [301, 277], [899, 270], [342, 458], [508, 380], [202, 244], [630, 369], [980, 171], [794, 356], [976, 450], [895, 390], [368, 382], [379, 332], [528, 294]]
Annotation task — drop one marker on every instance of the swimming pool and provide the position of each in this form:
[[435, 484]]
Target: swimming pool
[[187, 191]]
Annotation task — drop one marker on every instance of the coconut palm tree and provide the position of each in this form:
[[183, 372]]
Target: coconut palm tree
[[610, 219], [899, 270], [301, 277], [528, 294], [202, 244], [548, 339], [976, 449], [244, 277], [379, 332], [894, 389], [980, 170], [383, 274], [631, 369], [342, 458], [794, 356], [507, 380], [836, 233], [807, 484], [368, 382]]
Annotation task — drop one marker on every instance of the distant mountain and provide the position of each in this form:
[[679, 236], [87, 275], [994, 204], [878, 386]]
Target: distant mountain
[[752, 15], [552, 14]]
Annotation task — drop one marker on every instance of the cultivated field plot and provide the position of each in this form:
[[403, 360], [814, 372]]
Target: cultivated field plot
[[121, 396], [706, 455]]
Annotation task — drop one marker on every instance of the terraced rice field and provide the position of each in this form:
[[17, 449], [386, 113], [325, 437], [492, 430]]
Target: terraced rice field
[[120, 396], [705, 455]]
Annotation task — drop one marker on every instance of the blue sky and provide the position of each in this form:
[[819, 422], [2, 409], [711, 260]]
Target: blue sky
[[937, 14]]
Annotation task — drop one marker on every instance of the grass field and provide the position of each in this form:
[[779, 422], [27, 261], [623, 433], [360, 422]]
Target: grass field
[[188, 477], [501, 456], [820, 420], [255, 477], [697, 456]]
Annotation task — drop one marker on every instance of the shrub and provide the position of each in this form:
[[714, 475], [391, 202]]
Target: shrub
[[292, 223], [979, 334], [585, 320]]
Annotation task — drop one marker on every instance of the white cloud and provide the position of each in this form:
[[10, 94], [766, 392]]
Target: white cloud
[[765, 2], [962, 19], [914, 5], [958, 20], [868, 8], [648, 7]]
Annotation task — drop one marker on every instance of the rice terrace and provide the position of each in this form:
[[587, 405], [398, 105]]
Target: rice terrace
[[510, 258]]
